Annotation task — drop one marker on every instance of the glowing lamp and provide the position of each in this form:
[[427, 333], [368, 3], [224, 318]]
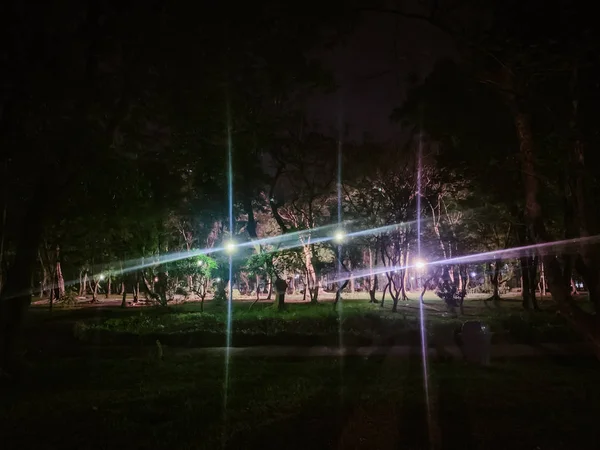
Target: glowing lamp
[[102, 277], [420, 264], [473, 274], [229, 247], [339, 236]]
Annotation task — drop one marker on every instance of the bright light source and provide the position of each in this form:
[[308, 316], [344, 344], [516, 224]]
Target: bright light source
[[156, 279], [339, 236], [102, 277], [412, 278], [217, 279], [420, 264], [200, 263], [229, 247], [473, 274]]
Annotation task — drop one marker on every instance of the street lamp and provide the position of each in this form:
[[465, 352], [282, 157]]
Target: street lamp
[[229, 247], [339, 236]]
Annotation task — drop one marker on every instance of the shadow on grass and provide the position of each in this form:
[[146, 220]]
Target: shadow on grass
[[318, 422]]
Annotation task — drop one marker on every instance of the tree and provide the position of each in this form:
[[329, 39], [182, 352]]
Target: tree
[[518, 57], [301, 195]]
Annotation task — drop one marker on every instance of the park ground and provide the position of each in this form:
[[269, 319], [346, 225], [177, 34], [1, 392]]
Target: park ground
[[78, 393]]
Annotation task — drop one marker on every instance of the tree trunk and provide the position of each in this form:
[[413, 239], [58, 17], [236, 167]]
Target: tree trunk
[[533, 264], [542, 281], [395, 298], [573, 288], [385, 288], [405, 281], [338, 293], [60, 281], [280, 288], [311, 276], [108, 286], [257, 288], [44, 284], [15, 297], [494, 278], [136, 289], [95, 291], [124, 296], [372, 290], [85, 285], [270, 288]]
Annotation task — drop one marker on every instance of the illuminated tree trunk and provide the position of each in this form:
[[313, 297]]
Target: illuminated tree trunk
[[406, 264], [257, 288], [311, 275], [95, 291], [123, 295], [494, 278], [352, 287], [44, 284], [338, 293], [280, 288], [372, 278]]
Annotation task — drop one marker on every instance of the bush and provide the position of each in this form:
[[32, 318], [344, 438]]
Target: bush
[[68, 300]]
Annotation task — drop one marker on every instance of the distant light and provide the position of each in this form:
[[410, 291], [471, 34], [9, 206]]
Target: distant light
[[102, 276], [473, 274], [420, 264], [412, 278], [339, 236], [200, 263], [156, 279], [229, 247], [217, 279]]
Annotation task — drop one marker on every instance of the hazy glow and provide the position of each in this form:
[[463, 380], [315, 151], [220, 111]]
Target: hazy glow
[[420, 264], [230, 247], [564, 246], [339, 237], [102, 277]]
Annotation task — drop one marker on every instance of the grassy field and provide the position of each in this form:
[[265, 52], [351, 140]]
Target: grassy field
[[117, 401], [357, 321], [75, 395]]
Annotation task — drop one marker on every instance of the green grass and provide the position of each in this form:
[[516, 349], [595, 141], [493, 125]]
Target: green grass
[[117, 401], [361, 323]]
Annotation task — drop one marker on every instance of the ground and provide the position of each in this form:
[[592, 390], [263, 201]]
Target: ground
[[73, 394], [120, 401]]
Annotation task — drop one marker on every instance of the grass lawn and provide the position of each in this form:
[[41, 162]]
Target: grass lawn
[[100, 401], [73, 395], [359, 322]]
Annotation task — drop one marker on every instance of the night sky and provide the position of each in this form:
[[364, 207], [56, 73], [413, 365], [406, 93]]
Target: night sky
[[372, 69]]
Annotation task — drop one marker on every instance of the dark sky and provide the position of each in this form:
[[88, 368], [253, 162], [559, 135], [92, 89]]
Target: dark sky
[[372, 68]]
